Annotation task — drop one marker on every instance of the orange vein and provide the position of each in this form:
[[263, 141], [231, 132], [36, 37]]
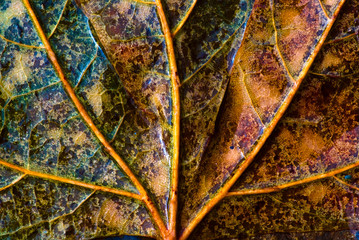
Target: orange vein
[[277, 46], [58, 20], [323, 9], [249, 158], [69, 181], [341, 39], [50, 220], [346, 184], [176, 121], [145, 197], [13, 182], [292, 184], [184, 19], [20, 44]]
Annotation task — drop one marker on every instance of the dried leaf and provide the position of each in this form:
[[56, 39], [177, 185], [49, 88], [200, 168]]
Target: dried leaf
[[136, 117]]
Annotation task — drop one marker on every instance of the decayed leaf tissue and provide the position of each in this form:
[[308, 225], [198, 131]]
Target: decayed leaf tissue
[[179, 119]]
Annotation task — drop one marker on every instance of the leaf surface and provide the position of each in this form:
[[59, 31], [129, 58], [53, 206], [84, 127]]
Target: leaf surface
[[306, 174], [136, 117], [44, 139], [281, 40]]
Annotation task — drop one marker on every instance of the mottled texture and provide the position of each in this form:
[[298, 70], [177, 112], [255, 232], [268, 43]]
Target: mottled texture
[[41, 209], [50, 13], [318, 134], [206, 31], [68, 127], [270, 61], [131, 37], [320, 210], [16, 24], [177, 10], [41, 130], [320, 130]]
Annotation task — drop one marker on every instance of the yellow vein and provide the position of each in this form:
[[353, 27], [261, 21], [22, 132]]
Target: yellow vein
[[333, 75], [346, 184], [69, 181], [127, 221], [173, 202], [13, 182], [323, 9], [292, 184], [53, 219], [277, 46], [207, 105], [250, 96], [86, 69], [248, 160], [341, 39], [214, 54], [136, 38], [184, 19], [20, 44], [70, 91], [144, 2], [34, 90], [58, 21]]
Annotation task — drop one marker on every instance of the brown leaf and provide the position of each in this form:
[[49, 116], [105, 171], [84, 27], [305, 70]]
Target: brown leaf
[[136, 117]]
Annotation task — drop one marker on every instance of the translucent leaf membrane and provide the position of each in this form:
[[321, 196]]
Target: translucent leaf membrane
[[303, 182], [280, 42], [56, 181]]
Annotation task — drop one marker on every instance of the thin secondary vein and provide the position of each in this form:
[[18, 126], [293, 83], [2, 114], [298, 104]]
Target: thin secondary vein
[[58, 21], [13, 182], [292, 184], [277, 46], [86, 69], [346, 184], [50, 220], [251, 99], [69, 181], [184, 19], [244, 165], [74, 98], [323, 9], [70, 91], [213, 55], [20, 44]]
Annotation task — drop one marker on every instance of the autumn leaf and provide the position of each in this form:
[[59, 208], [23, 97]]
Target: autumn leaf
[[137, 117]]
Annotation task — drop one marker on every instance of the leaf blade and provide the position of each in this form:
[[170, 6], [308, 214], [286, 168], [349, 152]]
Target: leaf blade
[[227, 172]]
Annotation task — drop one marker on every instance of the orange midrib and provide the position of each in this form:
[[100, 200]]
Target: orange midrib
[[226, 187], [145, 197], [173, 201]]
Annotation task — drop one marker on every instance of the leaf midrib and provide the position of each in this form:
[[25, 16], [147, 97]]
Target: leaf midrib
[[144, 196], [223, 192], [170, 232]]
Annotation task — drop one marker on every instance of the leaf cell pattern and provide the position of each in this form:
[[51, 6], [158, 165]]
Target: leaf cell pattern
[[138, 117]]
